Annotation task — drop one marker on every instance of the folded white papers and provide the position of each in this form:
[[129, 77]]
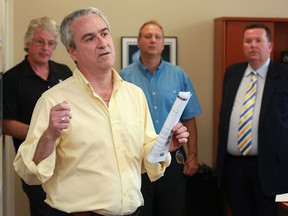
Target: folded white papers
[[281, 197], [160, 149]]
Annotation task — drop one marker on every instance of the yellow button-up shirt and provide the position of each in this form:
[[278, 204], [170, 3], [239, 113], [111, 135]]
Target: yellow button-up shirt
[[98, 160]]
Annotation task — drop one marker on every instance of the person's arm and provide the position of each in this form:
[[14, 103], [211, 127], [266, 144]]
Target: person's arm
[[191, 165], [36, 158], [15, 129], [60, 116], [284, 204]]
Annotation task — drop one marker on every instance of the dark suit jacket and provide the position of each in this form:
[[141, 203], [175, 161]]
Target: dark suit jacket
[[273, 126]]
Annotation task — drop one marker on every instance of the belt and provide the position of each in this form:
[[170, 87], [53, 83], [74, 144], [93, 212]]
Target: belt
[[84, 214], [241, 156], [136, 213]]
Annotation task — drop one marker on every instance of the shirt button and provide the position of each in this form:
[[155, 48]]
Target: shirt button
[[155, 107]]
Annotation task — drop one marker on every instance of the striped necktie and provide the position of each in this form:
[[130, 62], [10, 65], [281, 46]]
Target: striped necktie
[[245, 125]]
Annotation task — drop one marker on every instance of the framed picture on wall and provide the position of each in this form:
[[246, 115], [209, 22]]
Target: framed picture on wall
[[130, 51]]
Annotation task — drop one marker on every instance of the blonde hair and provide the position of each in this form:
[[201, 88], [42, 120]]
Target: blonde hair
[[150, 22], [45, 23]]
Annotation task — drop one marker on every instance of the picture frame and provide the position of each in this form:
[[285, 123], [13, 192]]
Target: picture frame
[[130, 51]]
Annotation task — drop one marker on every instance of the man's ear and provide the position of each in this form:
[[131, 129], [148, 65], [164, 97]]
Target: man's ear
[[72, 53]]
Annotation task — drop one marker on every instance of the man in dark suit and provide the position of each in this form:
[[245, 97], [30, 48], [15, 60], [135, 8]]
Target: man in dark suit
[[252, 179]]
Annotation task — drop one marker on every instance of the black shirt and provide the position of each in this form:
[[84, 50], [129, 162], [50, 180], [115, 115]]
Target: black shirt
[[22, 87]]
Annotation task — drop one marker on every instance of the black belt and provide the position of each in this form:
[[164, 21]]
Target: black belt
[[90, 213], [241, 156]]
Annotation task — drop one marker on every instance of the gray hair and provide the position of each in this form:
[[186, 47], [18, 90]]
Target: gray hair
[[45, 23], [65, 27]]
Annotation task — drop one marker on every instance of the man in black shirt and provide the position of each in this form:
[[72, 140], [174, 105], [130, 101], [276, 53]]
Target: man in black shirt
[[22, 87]]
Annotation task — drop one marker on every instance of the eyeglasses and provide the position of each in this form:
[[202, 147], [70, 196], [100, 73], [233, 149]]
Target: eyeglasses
[[179, 157], [40, 42]]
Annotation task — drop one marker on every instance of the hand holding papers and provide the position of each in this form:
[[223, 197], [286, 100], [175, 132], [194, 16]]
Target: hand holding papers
[[161, 147]]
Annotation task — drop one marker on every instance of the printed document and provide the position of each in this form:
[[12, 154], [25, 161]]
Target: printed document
[[160, 149]]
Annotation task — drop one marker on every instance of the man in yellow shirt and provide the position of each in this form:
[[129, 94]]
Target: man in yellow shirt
[[91, 164]]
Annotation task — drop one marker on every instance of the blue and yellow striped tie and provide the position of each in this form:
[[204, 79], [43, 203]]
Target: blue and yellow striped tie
[[245, 126]]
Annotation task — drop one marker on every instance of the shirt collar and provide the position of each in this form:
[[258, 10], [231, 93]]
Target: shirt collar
[[79, 77], [262, 71], [28, 70], [144, 68]]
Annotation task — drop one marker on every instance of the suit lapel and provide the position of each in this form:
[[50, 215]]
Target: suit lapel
[[235, 80], [231, 84], [268, 90]]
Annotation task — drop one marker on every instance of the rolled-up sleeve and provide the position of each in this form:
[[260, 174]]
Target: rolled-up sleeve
[[23, 161], [27, 169], [157, 170]]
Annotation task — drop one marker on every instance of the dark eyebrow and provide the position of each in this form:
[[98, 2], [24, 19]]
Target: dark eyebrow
[[93, 34], [87, 35], [104, 29]]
